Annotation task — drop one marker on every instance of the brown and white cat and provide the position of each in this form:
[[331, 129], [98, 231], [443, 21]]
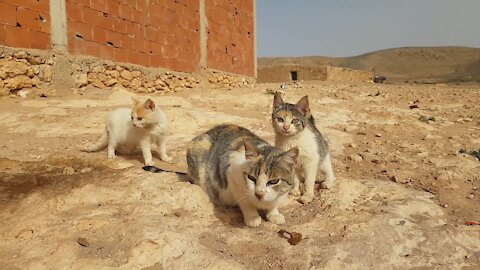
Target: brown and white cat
[[143, 125], [295, 127], [236, 167]]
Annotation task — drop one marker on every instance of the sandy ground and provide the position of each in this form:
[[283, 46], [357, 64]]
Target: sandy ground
[[401, 200]]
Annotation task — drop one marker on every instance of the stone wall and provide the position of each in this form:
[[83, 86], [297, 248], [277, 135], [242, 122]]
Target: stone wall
[[47, 73]]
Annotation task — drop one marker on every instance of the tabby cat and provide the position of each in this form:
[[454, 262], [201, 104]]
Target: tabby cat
[[295, 127], [236, 167]]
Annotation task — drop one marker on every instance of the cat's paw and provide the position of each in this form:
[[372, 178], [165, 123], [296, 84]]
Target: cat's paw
[[150, 163], [111, 156], [327, 184], [276, 219], [253, 221], [166, 158], [295, 192], [306, 198]]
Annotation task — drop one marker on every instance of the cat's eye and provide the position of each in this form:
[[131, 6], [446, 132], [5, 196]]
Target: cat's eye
[[295, 121], [139, 118], [273, 182], [280, 120], [252, 178], [132, 117]]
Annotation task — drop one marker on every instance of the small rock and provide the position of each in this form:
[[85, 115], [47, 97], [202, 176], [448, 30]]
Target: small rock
[[111, 82], [86, 170], [50, 62], [136, 73], [378, 135], [445, 206], [471, 196], [401, 222], [46, 74], [353, 145], [83, 242], [20, 55], [467, 119], [126, 75], [349, 128], [68, 171], [356, 158], [81, 80]]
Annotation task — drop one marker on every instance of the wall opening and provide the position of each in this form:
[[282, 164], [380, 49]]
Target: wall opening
[[294, 75]]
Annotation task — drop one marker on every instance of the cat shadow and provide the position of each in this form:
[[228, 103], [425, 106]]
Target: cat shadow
[[230, 216]]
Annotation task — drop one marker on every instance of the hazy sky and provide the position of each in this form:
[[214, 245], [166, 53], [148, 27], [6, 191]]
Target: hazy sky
[[352, 27]]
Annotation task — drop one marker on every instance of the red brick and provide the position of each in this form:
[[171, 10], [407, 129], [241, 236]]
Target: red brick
[[140, 44], [131, 3], [138, 16], [155, 48], [97, 18], [8, 14], [169, 51], [39, 5], [75, 45], [17, 37], [90, 48], [128, 42], [28, 19], [134, 29], [44, 22], [137, 58], [74, 12], [80, 28], [99, 5], [115, 38], [99, 35], [156, 61], [125, 12], [120, 55], [40, 40], [18, 3], [120, 25], [113, 8], [141, 5], [106, 52]]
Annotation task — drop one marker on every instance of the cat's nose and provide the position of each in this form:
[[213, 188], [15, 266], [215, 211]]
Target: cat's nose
[[259, 194], [286, 128]]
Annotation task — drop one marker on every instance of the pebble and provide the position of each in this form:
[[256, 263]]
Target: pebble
[[83, 242], [68, 171], [471, 196]]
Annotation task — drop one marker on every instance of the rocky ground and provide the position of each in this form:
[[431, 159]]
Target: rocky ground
[[402, 197]]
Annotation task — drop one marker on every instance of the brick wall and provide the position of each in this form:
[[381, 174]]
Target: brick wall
[[231, 36], [152, 33], [25, 23]]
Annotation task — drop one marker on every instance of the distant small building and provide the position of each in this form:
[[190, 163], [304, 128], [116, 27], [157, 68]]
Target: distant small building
[[296, 72]]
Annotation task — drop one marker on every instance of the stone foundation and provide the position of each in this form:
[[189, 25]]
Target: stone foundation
[[41, 72]]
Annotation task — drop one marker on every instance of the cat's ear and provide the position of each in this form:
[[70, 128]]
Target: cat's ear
[[135, 101], [149, 105], [290, 157], [277, 100], [250, 151], [303, 106]]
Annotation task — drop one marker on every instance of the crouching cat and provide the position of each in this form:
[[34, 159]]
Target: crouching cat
[[143, 125], [236, 167], [295, 127]]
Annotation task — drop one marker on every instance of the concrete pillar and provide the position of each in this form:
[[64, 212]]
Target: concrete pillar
[[58, 19], [203, 35], [255, 38]]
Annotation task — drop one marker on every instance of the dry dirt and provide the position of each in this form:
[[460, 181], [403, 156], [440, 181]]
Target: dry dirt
[[401, 200]]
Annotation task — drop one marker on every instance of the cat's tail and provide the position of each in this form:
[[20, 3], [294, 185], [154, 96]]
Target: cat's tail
[[99, 145]]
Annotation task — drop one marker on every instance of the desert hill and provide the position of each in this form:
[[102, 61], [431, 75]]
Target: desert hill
[[401, 64]]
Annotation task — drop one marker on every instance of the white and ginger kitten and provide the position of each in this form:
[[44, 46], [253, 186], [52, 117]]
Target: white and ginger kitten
[[126, 129], [295, 127]]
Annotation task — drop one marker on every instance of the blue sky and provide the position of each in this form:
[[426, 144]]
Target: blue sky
[[353, 27]]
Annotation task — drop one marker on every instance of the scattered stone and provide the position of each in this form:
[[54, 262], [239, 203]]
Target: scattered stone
[[126, 75], [81, 80], [353, 145], [111, 82], [471, 196], [46, 74], [20, 55], [68, 171], [83, 242], [86, 170], [378, 135], [356, 158]]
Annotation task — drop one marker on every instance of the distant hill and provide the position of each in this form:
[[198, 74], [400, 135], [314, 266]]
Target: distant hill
[[401, 64]]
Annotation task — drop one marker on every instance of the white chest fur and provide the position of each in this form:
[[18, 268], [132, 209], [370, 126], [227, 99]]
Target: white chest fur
[[306, 143]]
